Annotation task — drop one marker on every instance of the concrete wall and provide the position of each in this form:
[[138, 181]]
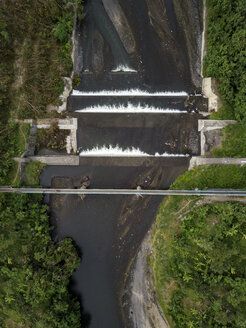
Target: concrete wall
[[57, 160], [63, 124], [31, 139], [199, 160], [51, 160], [209, 91]]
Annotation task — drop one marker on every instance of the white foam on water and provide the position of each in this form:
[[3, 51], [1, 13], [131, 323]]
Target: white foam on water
[[130, 108], [111, 151], [171, 155], [129, 92], [123, 68]]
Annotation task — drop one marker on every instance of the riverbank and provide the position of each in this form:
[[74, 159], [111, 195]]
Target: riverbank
[[33, 69], [35, 272], [191, 225], [224, 57], [34, 57], [145, 310]]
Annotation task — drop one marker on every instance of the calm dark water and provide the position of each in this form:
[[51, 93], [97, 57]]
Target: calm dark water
[[109, 229], [160, 56]]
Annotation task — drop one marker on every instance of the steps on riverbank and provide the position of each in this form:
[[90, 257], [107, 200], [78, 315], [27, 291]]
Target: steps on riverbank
[[51, 160]]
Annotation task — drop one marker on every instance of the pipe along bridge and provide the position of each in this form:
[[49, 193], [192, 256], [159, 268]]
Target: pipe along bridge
[[138, 192]]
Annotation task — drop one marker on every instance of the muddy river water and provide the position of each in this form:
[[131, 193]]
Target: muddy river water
[[136, 138]]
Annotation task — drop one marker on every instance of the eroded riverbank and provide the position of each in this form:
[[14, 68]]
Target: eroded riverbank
[[144, 310]]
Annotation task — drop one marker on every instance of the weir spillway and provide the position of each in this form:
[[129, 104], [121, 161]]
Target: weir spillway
[[135, 128]]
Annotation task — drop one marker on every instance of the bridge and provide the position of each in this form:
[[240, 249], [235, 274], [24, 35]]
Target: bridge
[[138, 192]]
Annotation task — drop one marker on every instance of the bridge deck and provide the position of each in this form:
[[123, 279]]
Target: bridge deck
[[235, 193]]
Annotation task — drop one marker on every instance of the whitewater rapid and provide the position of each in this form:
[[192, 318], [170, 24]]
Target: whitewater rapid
[[116, 151], [130, 108], [123, 68], [130, 93]]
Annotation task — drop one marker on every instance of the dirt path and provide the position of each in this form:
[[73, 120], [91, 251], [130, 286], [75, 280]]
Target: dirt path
[[19, 164]]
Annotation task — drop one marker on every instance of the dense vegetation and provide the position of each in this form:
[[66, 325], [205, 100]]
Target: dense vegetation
[[35, 51], [226, 54], [226, 61], [212, 176], [33, 169], [35, 47], [52, 138], [199, 253], [34, 272], [13, 139]]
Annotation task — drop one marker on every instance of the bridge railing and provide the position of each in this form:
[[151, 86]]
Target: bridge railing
[[142, 192]]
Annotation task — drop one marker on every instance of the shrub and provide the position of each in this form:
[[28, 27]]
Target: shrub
[[225, 59]]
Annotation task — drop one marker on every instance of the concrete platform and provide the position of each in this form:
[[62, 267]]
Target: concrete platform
[[199, 160]]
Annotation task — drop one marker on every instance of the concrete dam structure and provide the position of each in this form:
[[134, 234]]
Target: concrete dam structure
[[137, 107]]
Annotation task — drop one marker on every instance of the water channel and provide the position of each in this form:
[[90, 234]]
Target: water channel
[[143, 46]]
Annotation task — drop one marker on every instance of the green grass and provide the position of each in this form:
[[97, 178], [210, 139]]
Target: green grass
[[22, 138], [35, 45], [177, 277], [212, 176], [32, 171], [35, 48], [44, 64], [167, 223], [234, 143], [13, 141], [13, 177], [198, 263], [224, 113]]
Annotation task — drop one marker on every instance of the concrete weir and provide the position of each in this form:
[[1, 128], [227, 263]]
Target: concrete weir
[[151, 107]]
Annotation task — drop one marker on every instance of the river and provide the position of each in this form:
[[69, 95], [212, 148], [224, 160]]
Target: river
[[126, 139]]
